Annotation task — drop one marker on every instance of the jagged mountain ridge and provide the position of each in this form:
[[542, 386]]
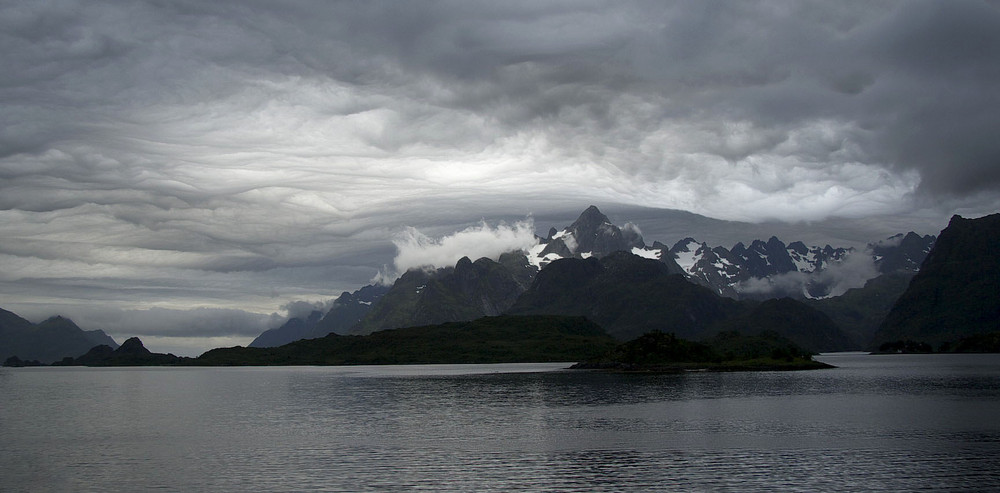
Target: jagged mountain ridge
[[626, 294], [593, 235], [346, 312], [131, 353], [48, 341], [630, 296], [489, 287], [902, 253], [859, 311], [468, 291], [728, 272]]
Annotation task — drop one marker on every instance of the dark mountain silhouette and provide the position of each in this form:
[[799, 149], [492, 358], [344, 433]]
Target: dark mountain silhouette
[[902, 253], [130, 353], [503, 339], [292, 330], [593, 235], [48, 341], [859, 311], [804, 326], [727, 272], [956, 294], [627, 295], [347, 311], [468, 291]]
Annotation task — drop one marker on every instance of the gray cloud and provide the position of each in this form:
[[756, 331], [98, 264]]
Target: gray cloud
[[852, 272], [250, 154]]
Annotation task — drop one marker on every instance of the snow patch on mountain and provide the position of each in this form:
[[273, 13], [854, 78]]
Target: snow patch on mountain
[[647, 253], [687, 253]]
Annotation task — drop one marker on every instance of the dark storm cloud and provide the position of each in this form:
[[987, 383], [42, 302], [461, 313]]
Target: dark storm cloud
[[258, 153]]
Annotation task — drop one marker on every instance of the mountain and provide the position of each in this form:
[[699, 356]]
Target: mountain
[[503, 339], [346, 311], [956, 293], [804, 326], [593, 235], [759, 271], [859, 311], [47, 341], [772, 269], [626, 294], [727, 272], [130, 353], [292, 330], [901, 253], [468, 291], [630, 296]]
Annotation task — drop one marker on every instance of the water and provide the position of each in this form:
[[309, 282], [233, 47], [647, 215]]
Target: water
[[900, 423]]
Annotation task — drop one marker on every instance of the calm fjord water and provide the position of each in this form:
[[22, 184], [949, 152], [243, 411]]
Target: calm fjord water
[[900, 423]]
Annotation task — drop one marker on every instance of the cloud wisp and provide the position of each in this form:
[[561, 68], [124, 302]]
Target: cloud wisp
[[834, 280], [416, 250]]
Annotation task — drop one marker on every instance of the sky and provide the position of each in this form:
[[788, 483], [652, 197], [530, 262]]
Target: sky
[[195, 172]]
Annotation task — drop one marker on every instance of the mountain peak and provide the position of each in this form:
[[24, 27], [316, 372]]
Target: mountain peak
[[133, 346], [593, 233], [590, 220]]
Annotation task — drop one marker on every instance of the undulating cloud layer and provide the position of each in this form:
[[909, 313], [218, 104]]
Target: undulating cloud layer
[[244, 154]]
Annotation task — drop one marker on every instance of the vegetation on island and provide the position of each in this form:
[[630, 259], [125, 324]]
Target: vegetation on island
[[130, 353], [976, 343], [728, 351], [502, 339]]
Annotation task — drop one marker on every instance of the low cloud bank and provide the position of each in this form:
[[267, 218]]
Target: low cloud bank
[[851, 272], [302, 309], [416, 250], [167, 322]]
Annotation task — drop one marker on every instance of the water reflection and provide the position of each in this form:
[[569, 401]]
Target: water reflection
[[896, 423]]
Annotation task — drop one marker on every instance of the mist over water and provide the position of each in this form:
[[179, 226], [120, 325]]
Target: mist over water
[[888, 423]]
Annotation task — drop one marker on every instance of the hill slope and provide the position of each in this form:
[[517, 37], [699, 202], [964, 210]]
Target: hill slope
[[957, 291], [502, 339], [48, 341], [627, 295]]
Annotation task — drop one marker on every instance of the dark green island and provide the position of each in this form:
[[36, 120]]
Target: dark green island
[[501, 339], [727, 351]]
